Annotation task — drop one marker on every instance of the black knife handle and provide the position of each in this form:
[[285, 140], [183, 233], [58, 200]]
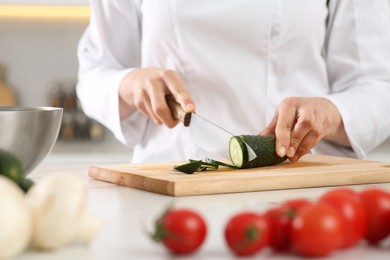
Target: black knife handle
[[177, 111]]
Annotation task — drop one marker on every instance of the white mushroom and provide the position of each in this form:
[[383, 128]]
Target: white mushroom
[[58, 205], [15, 219]]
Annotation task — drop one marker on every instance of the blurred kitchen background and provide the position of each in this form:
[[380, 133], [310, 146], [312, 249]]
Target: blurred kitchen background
[[39, 65]]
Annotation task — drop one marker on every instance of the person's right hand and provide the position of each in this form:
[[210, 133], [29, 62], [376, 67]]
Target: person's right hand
[[145, 90]]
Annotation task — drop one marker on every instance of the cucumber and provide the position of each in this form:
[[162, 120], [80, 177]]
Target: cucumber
[[10, 166], [25, 184], [262, 145], [195, 166], [219, 163]]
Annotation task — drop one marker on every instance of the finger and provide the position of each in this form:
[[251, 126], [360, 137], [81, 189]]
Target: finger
[[149, 111], [161, 109], [142, 103], [312, 138], [304, 123], [178, 90], [139, 104], [308, 142], [284, 124]]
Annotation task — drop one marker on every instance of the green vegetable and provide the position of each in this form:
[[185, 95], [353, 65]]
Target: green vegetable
[[262, 145], [195, 166], [25, 184], [189, 168], [10, 166], [212, 161]]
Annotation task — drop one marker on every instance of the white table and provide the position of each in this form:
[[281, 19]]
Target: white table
[[127, 213]]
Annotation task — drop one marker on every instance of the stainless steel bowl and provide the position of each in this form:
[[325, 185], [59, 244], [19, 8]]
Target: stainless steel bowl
[[29, 133]]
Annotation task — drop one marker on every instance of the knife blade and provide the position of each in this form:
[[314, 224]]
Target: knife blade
[[205, 133], [209, 136]]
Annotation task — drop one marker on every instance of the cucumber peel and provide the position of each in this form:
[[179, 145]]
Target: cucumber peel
[[195, 166], [221, 163]]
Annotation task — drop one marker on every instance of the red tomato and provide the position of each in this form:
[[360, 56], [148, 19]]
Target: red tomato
[[182, 231], [349, 204], [317, 230], [296, 204], [279, 221], [246, 233], [377, 205]]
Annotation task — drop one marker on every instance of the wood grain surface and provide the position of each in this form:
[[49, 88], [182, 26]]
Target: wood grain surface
[[310, 171]]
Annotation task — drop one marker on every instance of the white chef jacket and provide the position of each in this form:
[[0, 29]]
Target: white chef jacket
[[239, 59]]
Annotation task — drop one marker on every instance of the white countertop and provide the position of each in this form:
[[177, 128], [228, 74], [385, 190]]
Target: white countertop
[[126, 213]]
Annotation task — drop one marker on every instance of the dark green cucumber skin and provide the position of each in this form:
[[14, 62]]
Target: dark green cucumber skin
[[195, 166], [188, 168], [264, 147], [26, 184], [10, 166]]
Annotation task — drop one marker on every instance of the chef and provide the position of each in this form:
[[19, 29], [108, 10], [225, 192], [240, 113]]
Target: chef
[[314, 73]]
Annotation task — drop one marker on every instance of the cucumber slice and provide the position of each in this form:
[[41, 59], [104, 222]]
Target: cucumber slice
[[262, 145], [238, 151], [189, 168], [207, 164], [195, 166], [220, 163]]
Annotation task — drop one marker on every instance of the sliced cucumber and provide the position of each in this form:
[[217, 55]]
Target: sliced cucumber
[[262, 145], [189, 168], [238, 152], [195, 166], [212, 161]]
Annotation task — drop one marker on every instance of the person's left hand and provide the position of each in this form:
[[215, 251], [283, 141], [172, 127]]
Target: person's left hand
[[301, 123]]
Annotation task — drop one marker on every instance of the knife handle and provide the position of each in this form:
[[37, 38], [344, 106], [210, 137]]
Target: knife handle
[[177, 111]]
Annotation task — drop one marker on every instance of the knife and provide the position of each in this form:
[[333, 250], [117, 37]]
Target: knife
[[204, 133]]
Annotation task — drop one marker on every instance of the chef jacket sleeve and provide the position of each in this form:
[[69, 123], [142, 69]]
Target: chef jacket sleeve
[[108, 50], [358, 61]]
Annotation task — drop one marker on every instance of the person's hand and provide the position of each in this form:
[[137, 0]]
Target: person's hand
[[300, 123], [145, 90]]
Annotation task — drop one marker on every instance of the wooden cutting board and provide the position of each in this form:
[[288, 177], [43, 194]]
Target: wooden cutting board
[[310, 171]]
